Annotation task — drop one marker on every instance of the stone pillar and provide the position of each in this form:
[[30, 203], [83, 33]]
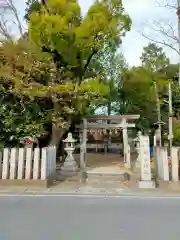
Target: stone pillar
[[157, 137], [81, 151], [175, 164], [162, 167], [158, 161], [138, 162], [165, 167], [146, 178], [127, 159], [154, 140], [85, 141], [70, 166], [128, 156]]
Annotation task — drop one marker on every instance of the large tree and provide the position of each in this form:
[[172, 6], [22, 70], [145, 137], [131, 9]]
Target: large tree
[[141, 87], [153, 58], [53, 63], [29, 78], [109, 66], [58, 29], [136, 96]]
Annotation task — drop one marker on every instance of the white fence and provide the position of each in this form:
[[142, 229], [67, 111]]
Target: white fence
[[162, 164], [27, 163]]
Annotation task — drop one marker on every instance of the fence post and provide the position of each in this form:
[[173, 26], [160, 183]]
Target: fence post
[[5, 171], [13, 164], [36, 163], [175, 164], [28, 163], [165, 167], [20, 175], [44, 164]]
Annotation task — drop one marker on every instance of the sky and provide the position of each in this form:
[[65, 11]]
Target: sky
[[142, 13]]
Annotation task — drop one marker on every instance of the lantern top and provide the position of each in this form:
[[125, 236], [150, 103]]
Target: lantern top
[[69, 139]]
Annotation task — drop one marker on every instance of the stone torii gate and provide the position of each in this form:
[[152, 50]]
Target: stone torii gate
[[110, 122]]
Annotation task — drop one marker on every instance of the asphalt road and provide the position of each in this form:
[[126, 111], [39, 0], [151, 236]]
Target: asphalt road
[[88, 218]]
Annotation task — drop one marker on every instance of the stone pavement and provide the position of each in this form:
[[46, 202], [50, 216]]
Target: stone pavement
[[94, 187]]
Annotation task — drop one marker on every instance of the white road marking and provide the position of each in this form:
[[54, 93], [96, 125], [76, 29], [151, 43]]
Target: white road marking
[[100, 196]]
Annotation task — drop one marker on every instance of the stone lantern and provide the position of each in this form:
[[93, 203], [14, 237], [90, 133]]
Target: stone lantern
[[70, 165]]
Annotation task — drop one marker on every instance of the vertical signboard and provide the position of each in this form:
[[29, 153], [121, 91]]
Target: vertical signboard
[[145, 159]]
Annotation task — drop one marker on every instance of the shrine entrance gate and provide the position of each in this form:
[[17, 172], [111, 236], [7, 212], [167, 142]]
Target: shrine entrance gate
[[105, 125]]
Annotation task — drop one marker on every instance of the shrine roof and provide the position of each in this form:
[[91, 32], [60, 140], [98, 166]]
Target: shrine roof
[[112, 117]]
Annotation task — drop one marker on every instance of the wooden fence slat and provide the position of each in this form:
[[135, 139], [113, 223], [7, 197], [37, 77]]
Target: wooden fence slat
[[5, 172], [44, 164], [20, 174], [13, 163], [36, 163], [1, 165], [28, 163]]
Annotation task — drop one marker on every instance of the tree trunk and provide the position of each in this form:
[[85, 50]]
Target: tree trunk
[[109, 107], [57, 133], [56, 136]]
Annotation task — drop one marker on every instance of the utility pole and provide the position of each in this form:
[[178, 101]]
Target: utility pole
[[158, 113], [178, 14], [170, 117]]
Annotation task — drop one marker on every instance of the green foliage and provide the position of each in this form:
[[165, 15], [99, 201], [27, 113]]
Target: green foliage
[[31, 77], [19, 119], [32, 6], [69, 46], [72, 40], [176, 132], [136, 96], [153, 58], [36, 77], [111, 65]]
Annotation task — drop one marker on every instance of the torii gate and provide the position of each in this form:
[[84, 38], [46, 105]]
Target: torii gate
[[121, 123]]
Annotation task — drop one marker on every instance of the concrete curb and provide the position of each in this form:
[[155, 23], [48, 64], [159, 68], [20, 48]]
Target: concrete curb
[[91, 191]]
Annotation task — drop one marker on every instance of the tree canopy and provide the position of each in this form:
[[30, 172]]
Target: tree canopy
[[55, 66], [67, 65]]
